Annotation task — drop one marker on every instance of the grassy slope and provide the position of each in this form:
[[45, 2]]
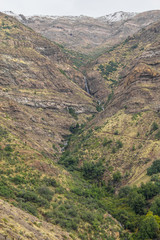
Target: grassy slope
[[31, 181]]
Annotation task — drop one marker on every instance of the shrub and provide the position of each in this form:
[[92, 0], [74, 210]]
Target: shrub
[[69, 162], [155, 207], [148, 228], [157, 135], [155, 168], [148, 190], [29, 208], [124, 192], [119, 144], [8, 148], [117, 177], [116, 132], [72, 112], [93, 171], [6, 191], [74, 128], [50, 182], [154, 127], [18, 180], [106, 142], [46, 193], [137, 202]]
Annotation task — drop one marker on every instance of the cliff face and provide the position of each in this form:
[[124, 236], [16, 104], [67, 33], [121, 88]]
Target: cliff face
[[85, 34], [38, 86]]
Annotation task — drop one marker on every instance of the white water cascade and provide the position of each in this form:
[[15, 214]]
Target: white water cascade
[[86, 85]]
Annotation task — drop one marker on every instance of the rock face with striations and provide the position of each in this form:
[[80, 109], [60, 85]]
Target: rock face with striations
[[85, 34], [38, 86]]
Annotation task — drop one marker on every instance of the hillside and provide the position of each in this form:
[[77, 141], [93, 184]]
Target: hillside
[[40, 99], [107, 71], [75, 165], [40, 103], [86, 34], [119, 148], [121, 135]]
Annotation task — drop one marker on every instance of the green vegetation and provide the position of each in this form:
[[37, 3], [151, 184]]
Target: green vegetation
[[109, 68], [154, 127], [72, 112], [93, 171], [155, 168]]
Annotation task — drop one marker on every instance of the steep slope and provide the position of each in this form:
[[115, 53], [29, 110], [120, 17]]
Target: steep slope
[[16, 224], [38, 93], [105, 73], [123, 136], [84, 33], [31, 181]]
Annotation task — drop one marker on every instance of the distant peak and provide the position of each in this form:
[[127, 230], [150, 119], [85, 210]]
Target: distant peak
[[118, 16]]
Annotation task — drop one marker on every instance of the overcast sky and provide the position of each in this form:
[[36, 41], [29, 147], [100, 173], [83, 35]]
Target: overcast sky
[[93, 8]]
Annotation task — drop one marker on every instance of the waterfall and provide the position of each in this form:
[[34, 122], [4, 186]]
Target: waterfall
[[86, 85]]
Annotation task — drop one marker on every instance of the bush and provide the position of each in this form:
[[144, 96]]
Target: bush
[[149, 228], [117, 177], [93, 171], [157, 135], [148, 190], [18, 180], [155, 168], [74, 128], [29, 208], [116, 132], [30, 196], [155, 207], [106, 142], [154, 127], [46, 193], [72, 112], [124, 192], [69, 162], [119, 144], [50, 182], [137, 202], [6, 191], [8, 148]]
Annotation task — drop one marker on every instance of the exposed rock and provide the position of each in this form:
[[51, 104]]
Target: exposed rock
[[86, 33]]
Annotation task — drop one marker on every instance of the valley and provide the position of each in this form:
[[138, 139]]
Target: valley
[[80, 127]]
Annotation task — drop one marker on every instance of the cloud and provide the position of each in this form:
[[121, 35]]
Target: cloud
[[78, 7]]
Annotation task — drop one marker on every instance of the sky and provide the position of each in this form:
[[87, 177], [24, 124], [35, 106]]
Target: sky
[[93, 8]]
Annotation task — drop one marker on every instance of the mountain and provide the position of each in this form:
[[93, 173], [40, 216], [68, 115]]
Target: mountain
[[87, 34], [40, 103], [79, 146], [122, 133], [38, 90]]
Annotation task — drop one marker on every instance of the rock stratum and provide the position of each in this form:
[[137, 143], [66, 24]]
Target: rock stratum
[[38, 87], [86, 34]]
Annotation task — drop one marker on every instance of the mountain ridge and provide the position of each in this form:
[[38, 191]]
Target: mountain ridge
[[88, 34]]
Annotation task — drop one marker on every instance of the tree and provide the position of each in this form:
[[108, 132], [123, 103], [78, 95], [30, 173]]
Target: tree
[[137, 202], [149, 228], [148, 190], [155, 207], [93, 171]]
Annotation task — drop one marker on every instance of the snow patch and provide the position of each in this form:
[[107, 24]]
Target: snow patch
[[118, 16]]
